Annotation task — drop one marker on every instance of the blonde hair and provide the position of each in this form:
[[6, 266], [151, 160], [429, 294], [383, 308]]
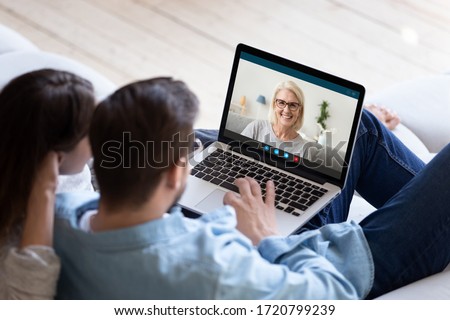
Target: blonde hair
[[295, 89]]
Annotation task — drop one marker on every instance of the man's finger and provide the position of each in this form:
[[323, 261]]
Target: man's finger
[[244, 187], [230, 198], [270, 193], [255, 188]]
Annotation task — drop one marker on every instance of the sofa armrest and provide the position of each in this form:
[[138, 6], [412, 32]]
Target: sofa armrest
[[16, 63], [435, 287], [11, 41], [423, 105]]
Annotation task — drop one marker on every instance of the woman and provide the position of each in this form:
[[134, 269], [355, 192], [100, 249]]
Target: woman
[[44, 121], [285, 120]]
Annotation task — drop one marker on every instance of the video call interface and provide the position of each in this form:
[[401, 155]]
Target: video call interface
[[254, 107]]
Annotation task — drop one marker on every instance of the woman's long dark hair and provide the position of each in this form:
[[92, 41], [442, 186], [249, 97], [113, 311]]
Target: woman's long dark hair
[[40, 111]]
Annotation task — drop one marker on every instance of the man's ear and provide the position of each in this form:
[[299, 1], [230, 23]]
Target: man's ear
[[177, 173]]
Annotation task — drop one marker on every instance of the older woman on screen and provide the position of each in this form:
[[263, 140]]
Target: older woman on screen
[[285, 119]]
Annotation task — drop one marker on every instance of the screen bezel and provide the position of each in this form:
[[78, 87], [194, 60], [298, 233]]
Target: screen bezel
[[253, 148]]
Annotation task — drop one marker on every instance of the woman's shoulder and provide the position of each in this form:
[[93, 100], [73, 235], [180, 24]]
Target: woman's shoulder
[[258, 123]]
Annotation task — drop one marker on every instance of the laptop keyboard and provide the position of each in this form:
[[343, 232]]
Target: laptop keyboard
[[292, 195]]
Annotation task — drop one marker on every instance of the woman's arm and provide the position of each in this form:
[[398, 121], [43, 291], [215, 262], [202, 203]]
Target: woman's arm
[[38, 227], [32, 269]]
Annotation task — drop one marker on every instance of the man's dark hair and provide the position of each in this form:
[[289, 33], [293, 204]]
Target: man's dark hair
[[139, 132]]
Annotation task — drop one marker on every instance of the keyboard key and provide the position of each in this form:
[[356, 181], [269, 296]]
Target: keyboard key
[[276, 177], [268, 174], [298, 206], [208, 164], [311, 201], [230, 186], [207, 177], [289, 209], [215, 173], [259, 178], [284, 180], [287, 195], [302, 200], [307, 189], [216, 181], [317, 193], [200, 175], [290, 189]]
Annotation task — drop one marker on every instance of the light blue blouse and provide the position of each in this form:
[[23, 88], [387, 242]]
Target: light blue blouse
[[206, 258]]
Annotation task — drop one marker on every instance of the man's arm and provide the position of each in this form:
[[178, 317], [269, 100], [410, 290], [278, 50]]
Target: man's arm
[[306, 266]]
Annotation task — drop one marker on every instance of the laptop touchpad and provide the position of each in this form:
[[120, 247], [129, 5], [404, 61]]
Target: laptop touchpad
[[212, 201]]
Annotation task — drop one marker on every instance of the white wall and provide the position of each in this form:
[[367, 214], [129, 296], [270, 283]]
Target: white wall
[[253, 80]]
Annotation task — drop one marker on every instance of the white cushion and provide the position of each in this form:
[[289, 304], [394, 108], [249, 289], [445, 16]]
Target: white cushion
[[423, 105], [436, 287], [410, 139], [11, 41], [14, 64]]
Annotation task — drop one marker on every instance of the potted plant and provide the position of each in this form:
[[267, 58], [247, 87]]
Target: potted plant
[[323, 115], [321, 122]]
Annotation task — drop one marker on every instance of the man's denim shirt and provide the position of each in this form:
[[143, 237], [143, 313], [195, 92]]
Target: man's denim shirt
[[207, 258]]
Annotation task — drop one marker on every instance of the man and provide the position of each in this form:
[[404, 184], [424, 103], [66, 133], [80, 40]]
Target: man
[[125, 245]]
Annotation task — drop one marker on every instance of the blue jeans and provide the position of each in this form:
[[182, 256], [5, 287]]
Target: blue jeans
[[380, 167], [409, 233]]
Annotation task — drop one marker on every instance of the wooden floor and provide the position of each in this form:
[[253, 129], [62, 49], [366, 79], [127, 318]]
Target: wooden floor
[[374, 42]]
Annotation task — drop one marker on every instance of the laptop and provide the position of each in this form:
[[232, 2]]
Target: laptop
[[310, 170]]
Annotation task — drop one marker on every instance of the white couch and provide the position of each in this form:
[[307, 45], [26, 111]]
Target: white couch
[[18, 56], [423, 105]]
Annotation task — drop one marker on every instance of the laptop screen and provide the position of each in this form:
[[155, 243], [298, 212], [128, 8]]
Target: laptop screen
[[292, 116]]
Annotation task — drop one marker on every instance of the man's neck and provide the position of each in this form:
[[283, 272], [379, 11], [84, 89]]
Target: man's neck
[[108, 218]]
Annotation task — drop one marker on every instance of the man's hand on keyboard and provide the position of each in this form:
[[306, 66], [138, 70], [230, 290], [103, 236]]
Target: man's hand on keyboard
[[256, 218]]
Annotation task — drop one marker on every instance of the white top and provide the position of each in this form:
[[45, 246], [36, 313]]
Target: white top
[[30, 273], [85, 221], [262, 131]]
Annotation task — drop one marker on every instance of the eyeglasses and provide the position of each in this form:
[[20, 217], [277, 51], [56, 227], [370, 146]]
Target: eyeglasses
[[293, 106]]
